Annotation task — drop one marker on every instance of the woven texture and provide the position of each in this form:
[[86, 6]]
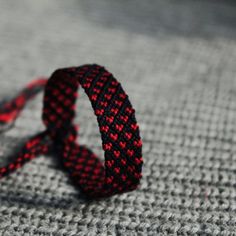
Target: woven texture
[[176, 60]]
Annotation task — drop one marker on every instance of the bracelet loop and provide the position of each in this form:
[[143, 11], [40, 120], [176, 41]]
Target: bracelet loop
[[120, 135]]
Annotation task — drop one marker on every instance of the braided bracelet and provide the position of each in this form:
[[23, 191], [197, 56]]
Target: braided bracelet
[[121, 140]]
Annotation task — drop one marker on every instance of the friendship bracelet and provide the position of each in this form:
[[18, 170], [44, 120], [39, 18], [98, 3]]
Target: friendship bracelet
[[121, 171]]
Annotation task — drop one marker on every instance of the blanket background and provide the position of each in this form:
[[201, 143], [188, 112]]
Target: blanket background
[[177, 62]]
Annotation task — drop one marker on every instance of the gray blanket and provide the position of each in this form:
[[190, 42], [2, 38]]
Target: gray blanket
[[177, 62]]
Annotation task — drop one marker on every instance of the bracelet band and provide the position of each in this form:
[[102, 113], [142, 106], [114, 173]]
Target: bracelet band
[[121, 140]]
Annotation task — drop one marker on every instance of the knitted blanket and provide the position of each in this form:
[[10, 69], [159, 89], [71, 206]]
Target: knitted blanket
[[176, 60]]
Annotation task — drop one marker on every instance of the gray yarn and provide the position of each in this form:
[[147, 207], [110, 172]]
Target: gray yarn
[[176, 60]]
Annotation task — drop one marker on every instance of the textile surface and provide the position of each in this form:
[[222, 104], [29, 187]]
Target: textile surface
[[176, 60]]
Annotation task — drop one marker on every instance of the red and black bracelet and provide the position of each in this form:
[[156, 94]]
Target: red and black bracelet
[[120, 135]]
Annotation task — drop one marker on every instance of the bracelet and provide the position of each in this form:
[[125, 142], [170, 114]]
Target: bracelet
[[122, 145]]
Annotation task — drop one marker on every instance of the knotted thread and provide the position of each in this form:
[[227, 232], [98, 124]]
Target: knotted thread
[[121, 140]]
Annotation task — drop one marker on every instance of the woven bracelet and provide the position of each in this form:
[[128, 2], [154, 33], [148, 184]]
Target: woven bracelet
[[121, 171]]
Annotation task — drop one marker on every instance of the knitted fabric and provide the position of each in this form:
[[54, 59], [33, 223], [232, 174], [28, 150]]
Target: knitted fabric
[[176, 61]]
